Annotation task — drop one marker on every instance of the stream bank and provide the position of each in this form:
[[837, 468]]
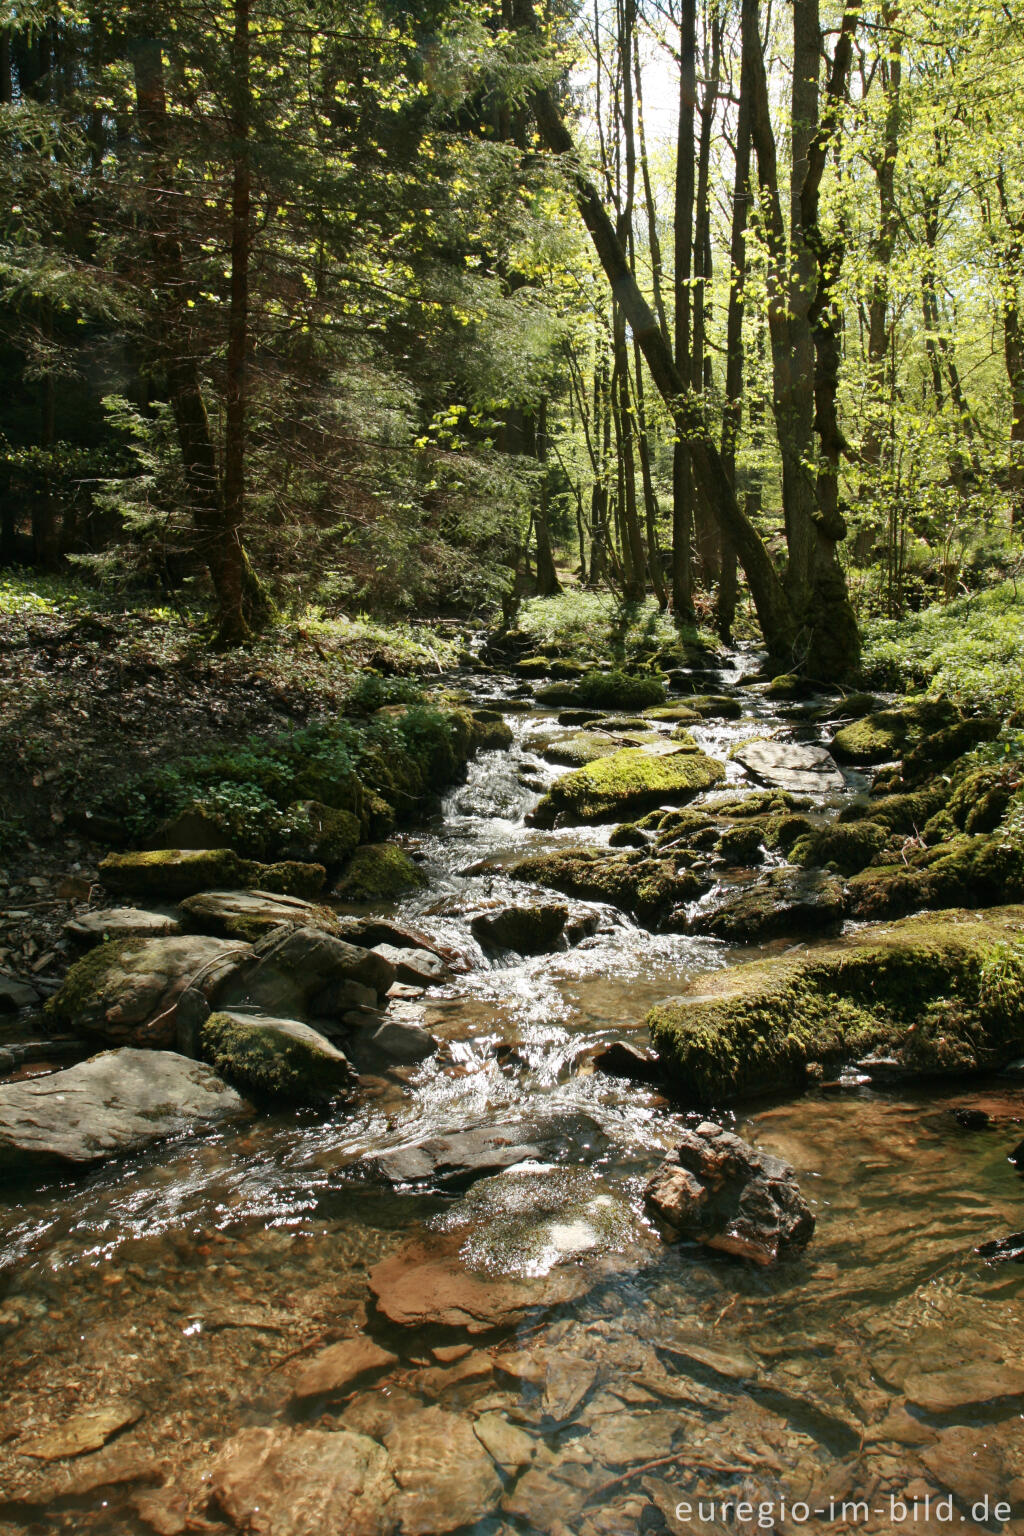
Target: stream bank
[[523, 1351]]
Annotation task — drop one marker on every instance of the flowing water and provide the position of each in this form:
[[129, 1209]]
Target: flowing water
[[186, 1282]]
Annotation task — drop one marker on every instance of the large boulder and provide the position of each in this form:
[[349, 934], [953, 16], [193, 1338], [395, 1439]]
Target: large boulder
[[108, 1106], [729, 1196], [529, 930], [127, 991], [629, 781], [251, 914], [297, 970], [456, 1160], [575, 749], [180, 872], [942, 994], [274, 1058], [785, 901], [786, 765]]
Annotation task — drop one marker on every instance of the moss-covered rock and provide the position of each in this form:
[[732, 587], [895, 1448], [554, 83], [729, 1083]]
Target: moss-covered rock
[[787, 685], [784, 831], [180, 872], [783, 902], [578, 749], [846, 848], [943, 747], [532, 930], [883, 735], [741, 846], [379, 872], [760, 802], [126, 991], [685, 740], [491, 733], [981, 798], [939, 994], [648, 887], [676, 714], [716, 706], [619, 690], [318, 834], [905, 813], [963, 869], [628, 781], [274, 1058]]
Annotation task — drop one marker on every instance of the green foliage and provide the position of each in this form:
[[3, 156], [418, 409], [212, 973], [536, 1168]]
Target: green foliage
[[596, 626], [370, 693], [968, 650]]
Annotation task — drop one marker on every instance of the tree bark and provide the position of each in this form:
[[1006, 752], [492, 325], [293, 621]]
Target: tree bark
[[548, 584], [682, 468]]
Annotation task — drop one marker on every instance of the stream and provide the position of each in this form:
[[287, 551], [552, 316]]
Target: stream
[[184, 1279]]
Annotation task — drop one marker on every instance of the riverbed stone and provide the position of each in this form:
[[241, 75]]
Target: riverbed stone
[[529, 930], [251, 914], [920, 992], [628, 782], [785, 901], [304, 1482], [111, 1105], [964, 1386], [121, 923], [402, 1037], [730, 1196], [338, 1367], [427, 1282], [15, 994], [447, 1479], [802, 770], [181, 872], [274, 1058], [127, 991], [82, 1432], [576, 749]]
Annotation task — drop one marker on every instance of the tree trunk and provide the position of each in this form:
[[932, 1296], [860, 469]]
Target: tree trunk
[[548, 584], [682, 468]]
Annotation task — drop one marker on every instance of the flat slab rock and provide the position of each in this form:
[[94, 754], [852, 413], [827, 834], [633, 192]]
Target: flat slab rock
[[336, 1368], [421, 967], [110, 1105], [250, 914], [786, 765], [731, 1196], [121, 923], [459, 1158]]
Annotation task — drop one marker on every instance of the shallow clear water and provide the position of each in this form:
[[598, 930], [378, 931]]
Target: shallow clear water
[[188, 1280]]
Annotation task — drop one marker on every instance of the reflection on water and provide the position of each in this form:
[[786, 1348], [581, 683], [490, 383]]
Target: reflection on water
[[186, 1281]]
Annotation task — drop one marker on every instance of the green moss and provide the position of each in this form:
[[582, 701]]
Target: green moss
[[980, 800], [684, 739], [943, 747], [762, 802], [941, 994], [577, 750], [786, 686], [619, 690], [906, 813], [87, 978], [319, 834], [648, 887], [491, 733], [784, 831], [874, 739], [379, 872], [680, 714], [845, 848], [628, 835], [184, 872], [716, 706], [272, 1062], [783, 902], [630, 780], [963, 869], [741, 846]]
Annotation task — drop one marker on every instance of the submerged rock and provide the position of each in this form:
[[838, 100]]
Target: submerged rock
[[251, 914], [276, 1058], [533, 930], [127, 991], [941, 994], [447, 1479], [108, 1106], [629, 781], [301, 1482], [181, 872], [787, 765], [427, 1282], [729, 1196], [337, 1368], [785, 901]]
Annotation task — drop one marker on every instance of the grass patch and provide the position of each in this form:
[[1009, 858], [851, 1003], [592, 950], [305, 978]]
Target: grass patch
[[596, 626]]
